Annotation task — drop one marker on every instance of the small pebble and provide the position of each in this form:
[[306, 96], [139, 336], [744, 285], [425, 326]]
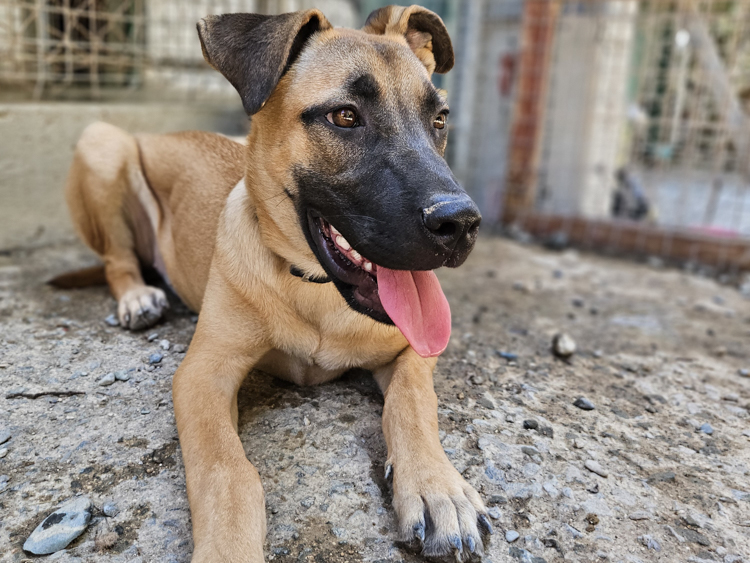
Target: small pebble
[[60, 528], [584, 404], [122, 375], [4, 435], [112, 321], [494, 513], [179, 348], [110, 509], [563, 345], [486, 402], [3, 452], [594, 467], [744, 372], [511, 536], [530, 424], [510, 356], [706, 429], [640, 515], [164, 344], [107, 380], [649, 542], [155, 358], [145, 411], [153, 336]]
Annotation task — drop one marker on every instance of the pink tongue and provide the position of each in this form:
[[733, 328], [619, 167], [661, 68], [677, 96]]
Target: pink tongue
[[417, 306]]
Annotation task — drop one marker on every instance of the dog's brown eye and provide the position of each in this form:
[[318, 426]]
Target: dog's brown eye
[[439, 122], [343, 117]]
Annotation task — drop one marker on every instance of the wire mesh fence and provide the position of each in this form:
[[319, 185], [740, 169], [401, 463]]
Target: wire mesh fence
[[135, 50], [630, 129]]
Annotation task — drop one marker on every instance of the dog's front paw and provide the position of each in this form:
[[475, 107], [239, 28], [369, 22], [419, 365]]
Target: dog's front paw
[[141, 307], [438, 509]]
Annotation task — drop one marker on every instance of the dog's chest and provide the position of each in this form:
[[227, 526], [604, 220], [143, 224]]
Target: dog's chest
[[316, 353]]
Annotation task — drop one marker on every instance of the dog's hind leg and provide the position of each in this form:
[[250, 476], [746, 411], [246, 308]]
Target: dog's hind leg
[[115, 213]]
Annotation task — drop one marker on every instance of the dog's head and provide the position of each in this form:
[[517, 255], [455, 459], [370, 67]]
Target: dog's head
[[346, 152]]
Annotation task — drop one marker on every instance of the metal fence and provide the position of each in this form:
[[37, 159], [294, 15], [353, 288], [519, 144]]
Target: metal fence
[[630, 129], [134, 50]]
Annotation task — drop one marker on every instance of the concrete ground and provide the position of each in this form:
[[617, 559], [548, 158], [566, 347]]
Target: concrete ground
[[660, 356]]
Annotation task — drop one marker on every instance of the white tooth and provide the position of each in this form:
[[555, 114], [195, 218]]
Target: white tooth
[[342, 242], [334, 230], [367, 266], [356, 255]]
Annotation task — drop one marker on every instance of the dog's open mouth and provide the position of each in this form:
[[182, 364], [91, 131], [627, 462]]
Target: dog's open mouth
[[412, 300]]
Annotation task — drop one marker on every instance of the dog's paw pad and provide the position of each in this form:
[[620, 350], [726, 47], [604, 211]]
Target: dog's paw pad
[[142, 307]]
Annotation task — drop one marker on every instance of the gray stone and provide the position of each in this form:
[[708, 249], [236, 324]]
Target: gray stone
[[640, 515], [486, 402], [524, 556], [494, 513], [662, 477], [179, 348], [693, 536], [594, 467], [584, 404], [153, 336], [530, 424], [3, 452], [155, 358], [107, 380], [110, 509], [112, 321], [122, 375], [511, 536], [307, 502], [4, 435], [563, 345], [706, 429], [744, 372], [145, 410], [164, 344], [60, 528]]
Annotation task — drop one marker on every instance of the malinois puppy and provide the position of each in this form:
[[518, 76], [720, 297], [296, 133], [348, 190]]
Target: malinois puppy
[[308, 252]]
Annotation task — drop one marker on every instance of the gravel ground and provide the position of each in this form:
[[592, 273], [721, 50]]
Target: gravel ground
[[658, 470]]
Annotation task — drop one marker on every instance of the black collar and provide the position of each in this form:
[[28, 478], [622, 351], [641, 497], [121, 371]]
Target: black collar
[[295, 271]]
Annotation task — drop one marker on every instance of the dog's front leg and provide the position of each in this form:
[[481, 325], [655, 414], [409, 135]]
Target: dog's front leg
[[435, 505], [224, 489]]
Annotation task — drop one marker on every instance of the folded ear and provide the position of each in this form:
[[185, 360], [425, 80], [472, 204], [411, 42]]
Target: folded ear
[[254, 51], [425, 33]]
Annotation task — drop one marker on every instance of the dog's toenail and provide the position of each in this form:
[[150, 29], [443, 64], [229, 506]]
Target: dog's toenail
[[456, 543], [388, 470], [485, 523], [472, 544], [419, 531]]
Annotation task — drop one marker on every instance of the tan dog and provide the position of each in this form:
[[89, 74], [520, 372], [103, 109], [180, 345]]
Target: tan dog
[[301, 251]]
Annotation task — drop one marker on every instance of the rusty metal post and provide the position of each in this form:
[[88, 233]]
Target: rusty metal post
[[537, 37]]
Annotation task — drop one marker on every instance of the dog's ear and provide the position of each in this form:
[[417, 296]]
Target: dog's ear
[[254, 51], [425, 33]]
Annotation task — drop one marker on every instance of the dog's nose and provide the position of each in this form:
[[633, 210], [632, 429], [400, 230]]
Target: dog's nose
[[449, 220]]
